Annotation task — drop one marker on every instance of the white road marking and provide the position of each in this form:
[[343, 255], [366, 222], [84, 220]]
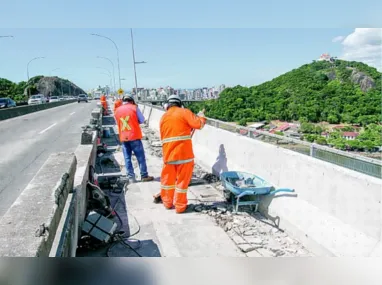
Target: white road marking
[[43, 131], [71, 113]]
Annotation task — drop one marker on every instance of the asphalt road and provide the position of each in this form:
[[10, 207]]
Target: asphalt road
[[27, 141]]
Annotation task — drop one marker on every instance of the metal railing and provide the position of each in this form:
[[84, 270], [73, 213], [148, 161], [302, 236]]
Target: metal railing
[[359, 163]]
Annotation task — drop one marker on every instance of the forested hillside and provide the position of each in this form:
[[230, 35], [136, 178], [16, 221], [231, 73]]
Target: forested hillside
[[47, 85], [335, 92]]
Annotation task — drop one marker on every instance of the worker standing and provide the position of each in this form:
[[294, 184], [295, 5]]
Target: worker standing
[[176, 127], [104, 103], [128, 118], [117, 104]]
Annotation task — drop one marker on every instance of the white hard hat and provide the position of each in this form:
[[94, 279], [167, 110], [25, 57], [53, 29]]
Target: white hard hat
[[174, 99]]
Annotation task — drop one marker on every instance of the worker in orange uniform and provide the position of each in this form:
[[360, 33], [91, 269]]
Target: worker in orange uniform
[[104, 103], [117, 104], [176, 127], [128, 117]]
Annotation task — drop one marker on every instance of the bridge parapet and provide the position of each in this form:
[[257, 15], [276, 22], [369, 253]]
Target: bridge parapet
[[337, 210]]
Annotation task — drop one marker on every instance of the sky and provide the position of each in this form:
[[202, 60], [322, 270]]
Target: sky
[[186, 45]]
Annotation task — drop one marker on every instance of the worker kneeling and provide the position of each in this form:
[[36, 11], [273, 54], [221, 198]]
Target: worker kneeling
[[176, 127]]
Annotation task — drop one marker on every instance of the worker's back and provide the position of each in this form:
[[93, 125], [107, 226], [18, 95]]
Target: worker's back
[[175, 131], [127, 122]]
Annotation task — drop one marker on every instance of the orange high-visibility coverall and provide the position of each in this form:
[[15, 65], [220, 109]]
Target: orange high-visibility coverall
[[104, 102], [117, 104], [178, 156]]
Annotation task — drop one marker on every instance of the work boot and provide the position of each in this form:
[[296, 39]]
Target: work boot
[[147, 179], [189, 209], [157, 198]]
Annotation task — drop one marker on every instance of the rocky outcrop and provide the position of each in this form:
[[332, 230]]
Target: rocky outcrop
[[53, 86], [331, 75], [365, 82]]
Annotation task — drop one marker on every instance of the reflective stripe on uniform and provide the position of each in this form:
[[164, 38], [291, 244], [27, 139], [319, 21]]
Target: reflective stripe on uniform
[[125, 123], [167, 187], [175, 139], [181, 190], [180, 161]]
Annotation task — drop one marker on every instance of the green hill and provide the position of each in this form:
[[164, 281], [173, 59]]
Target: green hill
[[49, 86], [335, 92]]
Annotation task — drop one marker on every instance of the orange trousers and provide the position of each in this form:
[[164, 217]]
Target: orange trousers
[[175, 179]]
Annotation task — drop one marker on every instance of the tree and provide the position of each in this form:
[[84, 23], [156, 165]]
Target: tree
[[307, 94], [321, 141]]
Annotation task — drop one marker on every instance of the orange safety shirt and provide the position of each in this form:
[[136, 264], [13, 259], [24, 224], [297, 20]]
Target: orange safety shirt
[[103, 98], [117, 104], [128, 124], [175, 132]]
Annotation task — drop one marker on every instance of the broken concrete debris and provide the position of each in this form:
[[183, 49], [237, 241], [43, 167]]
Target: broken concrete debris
[[246, 229]]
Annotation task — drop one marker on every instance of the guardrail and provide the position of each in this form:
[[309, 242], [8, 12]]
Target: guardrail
[[362, 164], [23, 110]]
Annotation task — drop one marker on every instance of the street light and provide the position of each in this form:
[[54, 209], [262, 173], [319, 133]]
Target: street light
[[6, 36], [135, 62], [112, 64], [119, 70], [41, 57], [107, 75]]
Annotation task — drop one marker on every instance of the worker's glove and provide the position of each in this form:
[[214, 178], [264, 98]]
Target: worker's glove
[[201, 114]]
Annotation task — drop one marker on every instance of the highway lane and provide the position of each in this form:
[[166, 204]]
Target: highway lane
[[27, 141]]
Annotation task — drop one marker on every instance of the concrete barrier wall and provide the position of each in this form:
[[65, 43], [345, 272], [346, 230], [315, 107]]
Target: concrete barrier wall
[[69, 230], [28, 228], [337, 212], [46, 218], [23, 110]]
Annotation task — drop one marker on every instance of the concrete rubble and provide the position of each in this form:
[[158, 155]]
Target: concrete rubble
[[251, 232]]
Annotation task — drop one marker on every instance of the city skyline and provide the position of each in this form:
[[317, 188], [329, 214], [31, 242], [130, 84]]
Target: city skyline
[[207, 57]]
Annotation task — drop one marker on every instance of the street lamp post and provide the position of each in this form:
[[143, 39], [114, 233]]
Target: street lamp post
[[119, 70], [41, 57], [135, 62], [112, 64], [107, 75]]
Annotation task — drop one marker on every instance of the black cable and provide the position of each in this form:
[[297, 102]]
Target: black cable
[[120, 238]]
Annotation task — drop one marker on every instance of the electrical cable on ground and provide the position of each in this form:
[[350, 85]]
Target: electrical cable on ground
[[120, 238]]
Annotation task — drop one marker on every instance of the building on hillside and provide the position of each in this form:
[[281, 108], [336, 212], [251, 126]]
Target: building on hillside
[[256, 125], [325, 135], [326, 57], [350, 135]]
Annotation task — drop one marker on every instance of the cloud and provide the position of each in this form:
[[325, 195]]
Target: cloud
[[364, 45], [338, 39]]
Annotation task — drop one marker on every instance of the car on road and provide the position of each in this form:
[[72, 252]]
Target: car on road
[[54, 99], [37, 99], [82, 98], [7, 103]]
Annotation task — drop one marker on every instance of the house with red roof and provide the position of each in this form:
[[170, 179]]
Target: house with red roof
[[350, 135]]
